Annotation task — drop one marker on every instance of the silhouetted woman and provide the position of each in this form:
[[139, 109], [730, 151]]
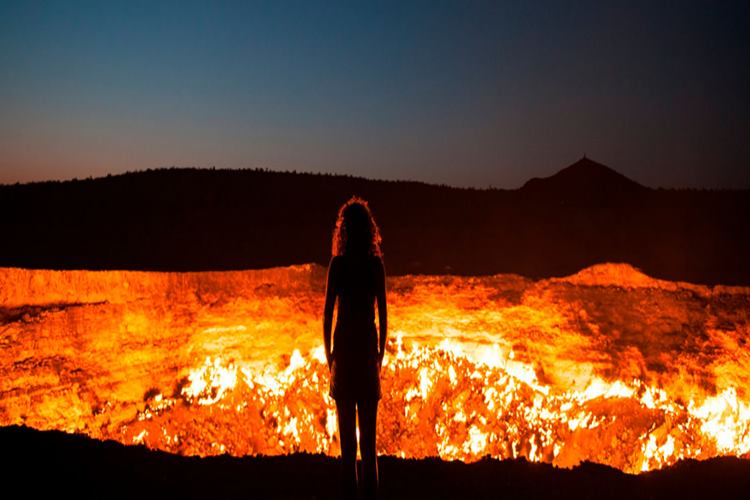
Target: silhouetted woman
[[356, 280]]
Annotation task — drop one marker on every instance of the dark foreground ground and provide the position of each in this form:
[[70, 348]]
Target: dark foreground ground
[[58, 465]]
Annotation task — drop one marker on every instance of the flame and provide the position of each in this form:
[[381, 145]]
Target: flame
[[446, 404], [608, 365]]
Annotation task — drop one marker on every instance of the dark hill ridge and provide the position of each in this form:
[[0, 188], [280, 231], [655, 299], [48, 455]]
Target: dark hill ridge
[[75, 466], [201, 219], [585, 179]]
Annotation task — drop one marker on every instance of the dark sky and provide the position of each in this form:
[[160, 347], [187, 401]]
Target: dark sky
[[462, 93]]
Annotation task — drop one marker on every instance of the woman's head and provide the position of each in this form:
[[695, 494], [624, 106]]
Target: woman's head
[[356, 231]]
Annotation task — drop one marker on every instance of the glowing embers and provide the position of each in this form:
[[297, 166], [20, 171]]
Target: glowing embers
[[439, 402]]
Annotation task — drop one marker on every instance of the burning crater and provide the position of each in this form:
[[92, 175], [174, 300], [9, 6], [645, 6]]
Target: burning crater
[[607, 365]]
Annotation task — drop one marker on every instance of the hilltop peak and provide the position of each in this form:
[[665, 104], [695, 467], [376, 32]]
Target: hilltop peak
[[585, 176], [588, 168]]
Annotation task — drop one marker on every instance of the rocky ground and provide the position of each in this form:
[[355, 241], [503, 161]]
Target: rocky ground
[[38, 463]]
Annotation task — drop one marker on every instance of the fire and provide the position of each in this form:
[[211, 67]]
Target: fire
[[607, 365]]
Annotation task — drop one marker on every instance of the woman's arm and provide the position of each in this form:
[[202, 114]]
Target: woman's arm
[[331, 285], [382, 309]]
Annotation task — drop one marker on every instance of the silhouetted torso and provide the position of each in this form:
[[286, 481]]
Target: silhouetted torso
[[355, 371], [355, 337]]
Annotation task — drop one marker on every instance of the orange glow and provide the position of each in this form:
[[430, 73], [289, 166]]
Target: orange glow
[[607, 365]]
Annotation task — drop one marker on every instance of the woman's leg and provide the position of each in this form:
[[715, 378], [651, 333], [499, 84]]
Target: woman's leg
[[368, 415], [346, 411]]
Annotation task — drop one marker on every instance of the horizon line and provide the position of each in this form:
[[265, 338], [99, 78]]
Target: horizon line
[[262, 169]]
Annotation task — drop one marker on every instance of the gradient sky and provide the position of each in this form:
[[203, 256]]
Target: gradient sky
[[462, 93]]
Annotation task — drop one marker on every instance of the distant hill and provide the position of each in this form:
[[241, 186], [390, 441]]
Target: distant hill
[[201, 219], [584, 179]]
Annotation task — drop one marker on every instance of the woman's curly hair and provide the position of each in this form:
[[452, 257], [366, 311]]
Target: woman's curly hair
[[356, 230]]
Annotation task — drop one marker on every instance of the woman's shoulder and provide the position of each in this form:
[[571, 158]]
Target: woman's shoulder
[[335, 261], [377, 263]]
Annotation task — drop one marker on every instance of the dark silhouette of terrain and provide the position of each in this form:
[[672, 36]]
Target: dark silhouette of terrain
[[75, 466], [204, 219]]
